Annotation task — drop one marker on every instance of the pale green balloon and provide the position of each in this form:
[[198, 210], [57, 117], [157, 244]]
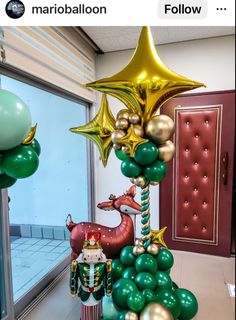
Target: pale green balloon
[[109, 310], [15, 120]]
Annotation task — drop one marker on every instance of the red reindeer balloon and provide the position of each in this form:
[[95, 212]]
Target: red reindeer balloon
[[113, 239]]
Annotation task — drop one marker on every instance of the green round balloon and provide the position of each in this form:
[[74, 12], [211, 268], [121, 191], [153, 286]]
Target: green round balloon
[[20, 162], [145, 280], [120, 293], [109, 310], [146, 263], [188, 303], [36, 146], [6, 181], [126, 256], [117, 269], [149, 296], [146, 153], [167, 271], [130, 168], [121, 155], [165, 259], [136, 301], [129, 273], [174, 286], [169, 298], [15, 120], [156, 171], [163, 280], [122, 315]]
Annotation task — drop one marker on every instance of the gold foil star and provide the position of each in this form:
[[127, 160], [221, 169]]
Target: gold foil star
[[30, 136], [157, 237], [131, 140], [145, 84], [99, 130]]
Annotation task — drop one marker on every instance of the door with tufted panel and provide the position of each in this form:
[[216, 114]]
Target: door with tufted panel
[[199, 180]]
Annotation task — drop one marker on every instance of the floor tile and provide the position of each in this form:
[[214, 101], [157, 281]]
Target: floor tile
[[21, 240], [46, 249], [65, 244], [23, 247], [35, 248], [59, 250], [32, 241], [44, 242], [56, 243]]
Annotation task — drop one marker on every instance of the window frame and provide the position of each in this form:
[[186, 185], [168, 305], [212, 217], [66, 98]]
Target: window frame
[[21, 305]]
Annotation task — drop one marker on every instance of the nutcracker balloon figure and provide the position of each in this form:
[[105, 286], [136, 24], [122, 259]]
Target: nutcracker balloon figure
[[91, 277]]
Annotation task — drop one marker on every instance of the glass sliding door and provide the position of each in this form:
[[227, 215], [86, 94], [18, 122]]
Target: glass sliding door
[[39, 205]]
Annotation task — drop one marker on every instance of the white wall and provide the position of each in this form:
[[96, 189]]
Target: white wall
[[210, 61]]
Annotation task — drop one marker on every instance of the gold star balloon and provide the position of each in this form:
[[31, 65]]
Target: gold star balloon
[[145, 84], [30, 136], [99, 130], [158, 237], [131, 140]]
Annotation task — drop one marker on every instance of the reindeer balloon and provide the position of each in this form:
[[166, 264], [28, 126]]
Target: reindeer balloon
[[113, 239], [140, 137]]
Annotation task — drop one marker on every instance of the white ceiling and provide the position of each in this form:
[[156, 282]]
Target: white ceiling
[[121, 38]]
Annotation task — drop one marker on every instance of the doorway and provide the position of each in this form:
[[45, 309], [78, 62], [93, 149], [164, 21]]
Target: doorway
[[200, 178]]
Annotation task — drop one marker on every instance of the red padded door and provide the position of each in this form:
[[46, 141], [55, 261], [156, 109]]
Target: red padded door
[[199, 179]]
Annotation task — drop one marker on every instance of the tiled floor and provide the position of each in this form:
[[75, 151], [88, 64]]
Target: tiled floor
[[204, 275], [32, 258]]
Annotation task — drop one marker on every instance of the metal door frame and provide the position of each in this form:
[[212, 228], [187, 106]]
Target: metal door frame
[[6, 259]]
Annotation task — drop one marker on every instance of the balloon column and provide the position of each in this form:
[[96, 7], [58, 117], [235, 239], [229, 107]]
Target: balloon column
[[143, 288], [19, 151], [140, 137]]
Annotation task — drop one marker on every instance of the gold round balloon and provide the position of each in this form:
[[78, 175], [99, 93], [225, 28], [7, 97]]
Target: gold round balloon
[[116, 135], [116, 146], [153, 249], [140, 181], [130, 315], [122, 124], [138, 250], [134, 118], [138, 242], [123, 114], [160, 128], [138, 130], [125, 150], [154, 183], [166, 151], [132, 180], [156, 311]]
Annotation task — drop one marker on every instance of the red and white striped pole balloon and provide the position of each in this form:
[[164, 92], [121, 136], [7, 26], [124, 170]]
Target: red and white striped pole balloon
[[91, 312]]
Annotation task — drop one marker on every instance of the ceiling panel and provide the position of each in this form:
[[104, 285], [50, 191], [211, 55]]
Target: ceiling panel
[[122, 38]]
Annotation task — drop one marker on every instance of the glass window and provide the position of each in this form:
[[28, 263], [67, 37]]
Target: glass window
[[39, 204]]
